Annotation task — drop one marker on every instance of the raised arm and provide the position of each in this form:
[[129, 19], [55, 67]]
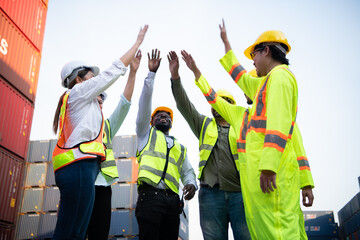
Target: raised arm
[[224, 37], [117, 117], [129, 55], [183, 104], [144, 112]]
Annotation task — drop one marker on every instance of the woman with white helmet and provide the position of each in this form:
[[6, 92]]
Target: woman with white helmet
[[80, 149]]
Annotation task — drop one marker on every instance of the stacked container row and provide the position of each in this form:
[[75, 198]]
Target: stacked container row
[[321, 225], [22, 25], [349, 218], [38, 212]]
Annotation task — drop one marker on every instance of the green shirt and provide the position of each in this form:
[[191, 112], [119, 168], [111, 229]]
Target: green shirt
[[220, 167]]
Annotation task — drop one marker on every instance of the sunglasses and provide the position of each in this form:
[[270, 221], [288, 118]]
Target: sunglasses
[[252, 54]]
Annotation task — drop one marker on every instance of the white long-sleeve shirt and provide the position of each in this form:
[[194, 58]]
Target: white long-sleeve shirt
[[143, 128], [83, 108], [116, 119]]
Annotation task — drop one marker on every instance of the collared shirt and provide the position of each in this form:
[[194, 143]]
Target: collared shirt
[[83, 108], [220, 167], [143, 131], [116, 119]]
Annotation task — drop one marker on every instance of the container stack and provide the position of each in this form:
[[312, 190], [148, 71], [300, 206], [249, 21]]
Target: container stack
[[320, 225], [349, 218], [22, 25], [40, 198]]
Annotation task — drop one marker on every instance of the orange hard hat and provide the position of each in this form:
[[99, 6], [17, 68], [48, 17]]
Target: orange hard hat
[[163, 109]]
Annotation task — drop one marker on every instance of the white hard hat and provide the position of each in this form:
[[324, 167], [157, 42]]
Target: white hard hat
[[71, 70]]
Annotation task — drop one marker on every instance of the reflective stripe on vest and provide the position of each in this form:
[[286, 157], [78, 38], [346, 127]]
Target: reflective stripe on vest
[[152, 160], [241, 142], [64, 156], [273, 138], [236, 72], [207, 141], [108, 167], [303, 163]]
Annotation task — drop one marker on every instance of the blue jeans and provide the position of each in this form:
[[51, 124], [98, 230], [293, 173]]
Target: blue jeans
[[217, 209], [77, 195]]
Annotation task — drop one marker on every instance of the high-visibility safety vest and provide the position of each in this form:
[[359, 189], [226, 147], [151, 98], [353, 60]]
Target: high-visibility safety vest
[[237, 116], [270, 146], [158, 162], [108, 167], [64, 156], [207, 141]]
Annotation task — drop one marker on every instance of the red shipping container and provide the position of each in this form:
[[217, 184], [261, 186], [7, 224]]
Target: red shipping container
[[7, 232], [19, 59], [16, 114], [11, 177], [29, 16]]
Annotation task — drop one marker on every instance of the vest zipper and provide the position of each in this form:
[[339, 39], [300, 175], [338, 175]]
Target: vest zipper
[[166, 164]]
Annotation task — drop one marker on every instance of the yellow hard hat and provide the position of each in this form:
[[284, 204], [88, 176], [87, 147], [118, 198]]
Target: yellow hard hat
[[253, 73], [162, 109], [227, 95], [268, 36]]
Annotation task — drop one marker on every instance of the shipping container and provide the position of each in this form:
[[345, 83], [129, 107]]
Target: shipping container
[[47, 225], [53, 143], [120, 223], [29, 16], [32, 200], [38, 151], [134, 223], [51, 199], [124, 146], [7, 231], [134, 195], [121, 195], [308, 215], [19, 59], [183, 228], [27, 226], [128, 169], [11, 178], [15, 120], [50, 176], [36, 174]]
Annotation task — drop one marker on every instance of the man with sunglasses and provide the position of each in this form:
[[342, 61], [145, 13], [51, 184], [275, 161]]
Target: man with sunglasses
[[272, 151], [220, 198], [162, 163]]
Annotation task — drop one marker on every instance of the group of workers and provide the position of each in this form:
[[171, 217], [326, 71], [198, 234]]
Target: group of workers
[[252, 163]]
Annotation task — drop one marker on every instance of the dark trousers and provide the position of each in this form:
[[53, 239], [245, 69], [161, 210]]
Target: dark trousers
[[99, 225], [77, 195], [157, 213]]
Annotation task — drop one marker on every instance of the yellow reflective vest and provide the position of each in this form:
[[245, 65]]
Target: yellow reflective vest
[[207, 141], [270, 146], [158, 162], [108, 167], [64, 156]]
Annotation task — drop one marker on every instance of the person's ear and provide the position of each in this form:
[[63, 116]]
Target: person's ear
[[78, 79], [266, 50]]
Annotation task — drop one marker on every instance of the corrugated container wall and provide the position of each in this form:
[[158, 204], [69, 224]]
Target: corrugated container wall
[[15, 120], [29, 16], [19, 59], [11, 177], [7, 232]]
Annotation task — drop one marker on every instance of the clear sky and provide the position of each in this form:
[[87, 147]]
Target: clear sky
[[323, 35]]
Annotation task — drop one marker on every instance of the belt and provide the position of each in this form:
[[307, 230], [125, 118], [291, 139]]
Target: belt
[[204, 185], [148, 188]]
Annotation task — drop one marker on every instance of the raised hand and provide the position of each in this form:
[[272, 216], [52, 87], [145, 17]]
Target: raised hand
[[154, 61], [173, 65], [223, 34], [191, 64], [141, 35], [224, 37], [134, 65]]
